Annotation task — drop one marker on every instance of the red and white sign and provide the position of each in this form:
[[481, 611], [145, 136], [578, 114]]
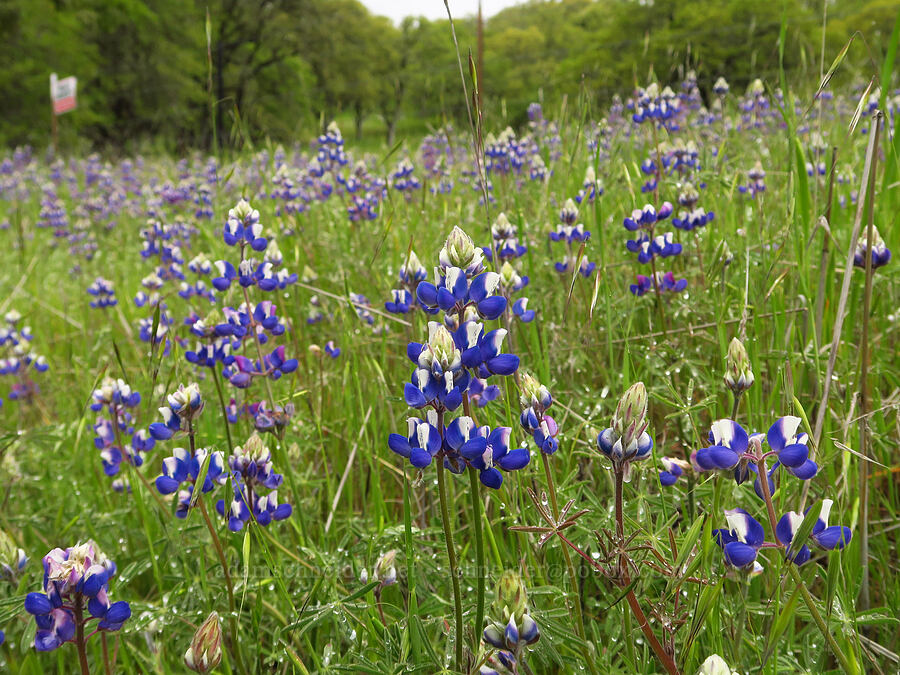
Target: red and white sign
[[62, 92]]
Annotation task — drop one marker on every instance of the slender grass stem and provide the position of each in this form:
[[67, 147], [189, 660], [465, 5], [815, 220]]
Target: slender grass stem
[[475, 493], [218, 382], [570, 569], [664, 657], [223, 561], [864, 436], [846, 664], [451, 556]]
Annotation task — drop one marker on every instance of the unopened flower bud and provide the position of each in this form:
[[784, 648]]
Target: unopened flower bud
[[534, 394], [738, 373], [460, 251], [12, 558], [630, 418], [512, 599], [308, 275], [714, 665], [205, 651]]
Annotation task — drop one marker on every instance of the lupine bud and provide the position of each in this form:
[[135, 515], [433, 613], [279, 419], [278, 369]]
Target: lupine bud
[[413, 269], [241, 210], [460, 251], [308, 275], [385, 572], [626, 439], [205, 651], [534, 394], [630, 418], [502, 226], [508, 275], [254, 447], [12, 558], [441, 347], [186, 401], [714, 665], [738, 373], [512, 599]]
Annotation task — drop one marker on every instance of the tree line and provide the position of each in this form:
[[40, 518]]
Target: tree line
[[181, 73]]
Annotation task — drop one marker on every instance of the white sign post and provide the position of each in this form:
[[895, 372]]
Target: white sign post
[[62, 95]]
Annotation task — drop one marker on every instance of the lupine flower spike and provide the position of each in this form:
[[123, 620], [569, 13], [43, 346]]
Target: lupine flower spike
[[74, 579], [626, 440], [513, 628], [205, 652]]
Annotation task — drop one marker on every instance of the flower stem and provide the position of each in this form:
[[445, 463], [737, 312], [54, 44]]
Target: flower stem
[[737, 404], [475, 490], [220, 552], [664, 657], [451, 556], [846, 664], [107, 668], [80, 643], [570, 569], [480, 572], [218, 383]]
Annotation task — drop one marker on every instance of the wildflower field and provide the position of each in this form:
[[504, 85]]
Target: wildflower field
[[611, 392]]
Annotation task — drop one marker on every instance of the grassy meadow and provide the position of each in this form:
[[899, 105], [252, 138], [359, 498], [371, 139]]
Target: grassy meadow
[[313, 592]]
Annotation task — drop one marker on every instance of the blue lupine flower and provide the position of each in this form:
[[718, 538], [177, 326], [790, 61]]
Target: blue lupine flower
[[568, 230], [402, 302], [505, 241], [673, 469], [828, 538], [741, 541], [104, 292], [208, 355], [184, 405], [332, 350], [71, 576], [485, 450], [791, 446], [647, 217], [591, 188], [116, 399], [881, 254], [535, 399], [481, 393], [521, 311], [422, 443], [454, 291], [243, 227], [439, 378], [720, 88], [183, 468], [661, 246], [512, 636], [251, 470], [692, 220], [729, 444], [274, 366], [666, 282]]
